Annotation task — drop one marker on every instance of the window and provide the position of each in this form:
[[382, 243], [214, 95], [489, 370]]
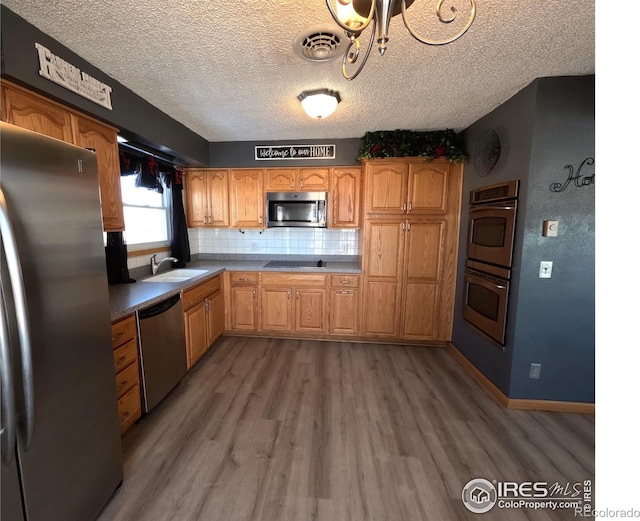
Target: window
[[146, 215]]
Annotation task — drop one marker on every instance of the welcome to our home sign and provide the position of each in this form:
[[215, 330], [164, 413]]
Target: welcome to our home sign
[[60, 71], [271, 153]]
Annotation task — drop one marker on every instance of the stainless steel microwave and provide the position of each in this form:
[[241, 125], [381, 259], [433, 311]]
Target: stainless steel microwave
[[297, 209]]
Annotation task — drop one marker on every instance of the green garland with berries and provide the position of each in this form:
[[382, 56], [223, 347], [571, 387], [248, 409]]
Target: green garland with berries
[[409, 143]]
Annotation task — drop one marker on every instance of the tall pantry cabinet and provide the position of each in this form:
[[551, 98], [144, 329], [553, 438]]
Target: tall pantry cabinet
[[411, 227]]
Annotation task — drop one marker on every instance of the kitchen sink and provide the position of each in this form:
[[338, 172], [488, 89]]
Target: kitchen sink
[[175, 276]]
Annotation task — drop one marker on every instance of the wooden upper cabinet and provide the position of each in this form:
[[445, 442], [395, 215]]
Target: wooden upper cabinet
[[247, 198], [407, 187], [386, 191], [196, 198], [103, 139], [21, 108], [428, 188], [313, 179], [207, 198], [297, 180], [34, 112], [345, 195], [281, 179]]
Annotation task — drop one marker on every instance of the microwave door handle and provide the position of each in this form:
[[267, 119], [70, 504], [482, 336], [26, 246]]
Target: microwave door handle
[[8, 429], [22, 320]]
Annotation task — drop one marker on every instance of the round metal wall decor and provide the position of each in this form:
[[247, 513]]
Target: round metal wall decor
[[487, 152]]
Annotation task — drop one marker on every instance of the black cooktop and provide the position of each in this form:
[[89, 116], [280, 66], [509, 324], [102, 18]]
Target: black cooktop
[[295, 264]]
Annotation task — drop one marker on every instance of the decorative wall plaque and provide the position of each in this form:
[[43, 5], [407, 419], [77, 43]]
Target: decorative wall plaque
[[66, 75], [272, 153]]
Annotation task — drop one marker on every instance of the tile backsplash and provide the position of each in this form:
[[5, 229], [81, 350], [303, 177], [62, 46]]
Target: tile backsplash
[[286, 241], [283, 241]]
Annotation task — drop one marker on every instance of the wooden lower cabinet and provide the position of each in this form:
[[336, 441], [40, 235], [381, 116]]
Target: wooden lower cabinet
[[203, 317], [125, 362], [344, 305], [293, 303], [243, 300], [195, 327]]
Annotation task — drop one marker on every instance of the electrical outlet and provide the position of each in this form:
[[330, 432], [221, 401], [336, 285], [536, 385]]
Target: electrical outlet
[[534, 371], [344, 247], [254, 246], [545, 269]]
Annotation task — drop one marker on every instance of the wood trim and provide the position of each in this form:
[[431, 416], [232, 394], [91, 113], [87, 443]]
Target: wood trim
[[475, 373], [518, 403], [138, 253]]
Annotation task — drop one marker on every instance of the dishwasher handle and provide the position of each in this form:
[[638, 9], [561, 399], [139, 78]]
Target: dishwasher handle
[[159, 308]]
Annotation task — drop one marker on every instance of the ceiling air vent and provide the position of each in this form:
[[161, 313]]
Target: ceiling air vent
[[320, 43]]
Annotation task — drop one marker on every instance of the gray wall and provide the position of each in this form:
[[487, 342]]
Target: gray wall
[[241, 154], [513, 121], [555, 318], [547, 125], [132, 114]]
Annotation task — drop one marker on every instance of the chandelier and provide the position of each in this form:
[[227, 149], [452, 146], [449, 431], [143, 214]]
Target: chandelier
[[354, 16]]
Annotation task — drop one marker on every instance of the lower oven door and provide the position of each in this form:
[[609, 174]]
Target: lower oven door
[[485, 304]]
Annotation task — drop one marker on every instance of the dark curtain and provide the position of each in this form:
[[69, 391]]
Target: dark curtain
[[179, 236], [116, 255]]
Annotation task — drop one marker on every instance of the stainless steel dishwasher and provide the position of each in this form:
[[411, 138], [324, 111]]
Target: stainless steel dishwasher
[[163, 357]]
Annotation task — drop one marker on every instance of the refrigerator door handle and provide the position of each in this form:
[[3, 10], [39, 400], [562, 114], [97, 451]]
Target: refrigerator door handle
[[8, 430], [22, 320]]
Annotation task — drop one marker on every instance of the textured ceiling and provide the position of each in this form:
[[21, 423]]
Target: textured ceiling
[[227, 70]]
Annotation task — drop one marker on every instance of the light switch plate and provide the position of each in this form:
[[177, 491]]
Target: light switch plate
[[545, 269], [550, 228]]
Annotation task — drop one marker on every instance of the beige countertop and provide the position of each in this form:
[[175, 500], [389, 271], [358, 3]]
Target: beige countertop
[[126, 299]]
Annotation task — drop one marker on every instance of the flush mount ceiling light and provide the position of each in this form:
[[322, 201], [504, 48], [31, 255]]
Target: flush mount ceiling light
[[354, 16], [319, 103]]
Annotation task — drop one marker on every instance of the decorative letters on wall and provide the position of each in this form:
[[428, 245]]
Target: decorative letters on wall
[[579, 180]]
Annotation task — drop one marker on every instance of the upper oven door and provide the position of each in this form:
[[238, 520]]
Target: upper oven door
[[491, 233]]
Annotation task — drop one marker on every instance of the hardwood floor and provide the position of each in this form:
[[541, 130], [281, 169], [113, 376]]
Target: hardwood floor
[[293, 430]]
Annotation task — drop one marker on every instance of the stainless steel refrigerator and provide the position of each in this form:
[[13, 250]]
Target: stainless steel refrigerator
[[61, 451]]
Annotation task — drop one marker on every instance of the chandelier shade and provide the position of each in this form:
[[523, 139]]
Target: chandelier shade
[[319, 103], [354, 16]]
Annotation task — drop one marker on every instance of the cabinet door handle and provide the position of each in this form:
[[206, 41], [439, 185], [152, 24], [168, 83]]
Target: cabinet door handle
[[345, 281], [301, 183], [402, 225], [293, 183], [404, 207], [243, 279], [410, 206], [254, 293], [345, 292], [408, 227], [297, 295], [260, 219], [289, 295]]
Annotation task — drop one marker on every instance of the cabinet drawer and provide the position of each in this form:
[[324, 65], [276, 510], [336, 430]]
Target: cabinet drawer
[[352, 281], [240, 278], [193, 296], [129, 408], [270, 278], [123, 331], [127, 378], [125, 355]]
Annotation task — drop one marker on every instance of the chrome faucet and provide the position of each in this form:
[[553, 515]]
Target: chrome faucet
[[155, 265]]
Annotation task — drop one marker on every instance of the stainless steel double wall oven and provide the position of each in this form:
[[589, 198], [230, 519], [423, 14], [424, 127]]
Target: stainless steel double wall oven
[[492, 221]]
